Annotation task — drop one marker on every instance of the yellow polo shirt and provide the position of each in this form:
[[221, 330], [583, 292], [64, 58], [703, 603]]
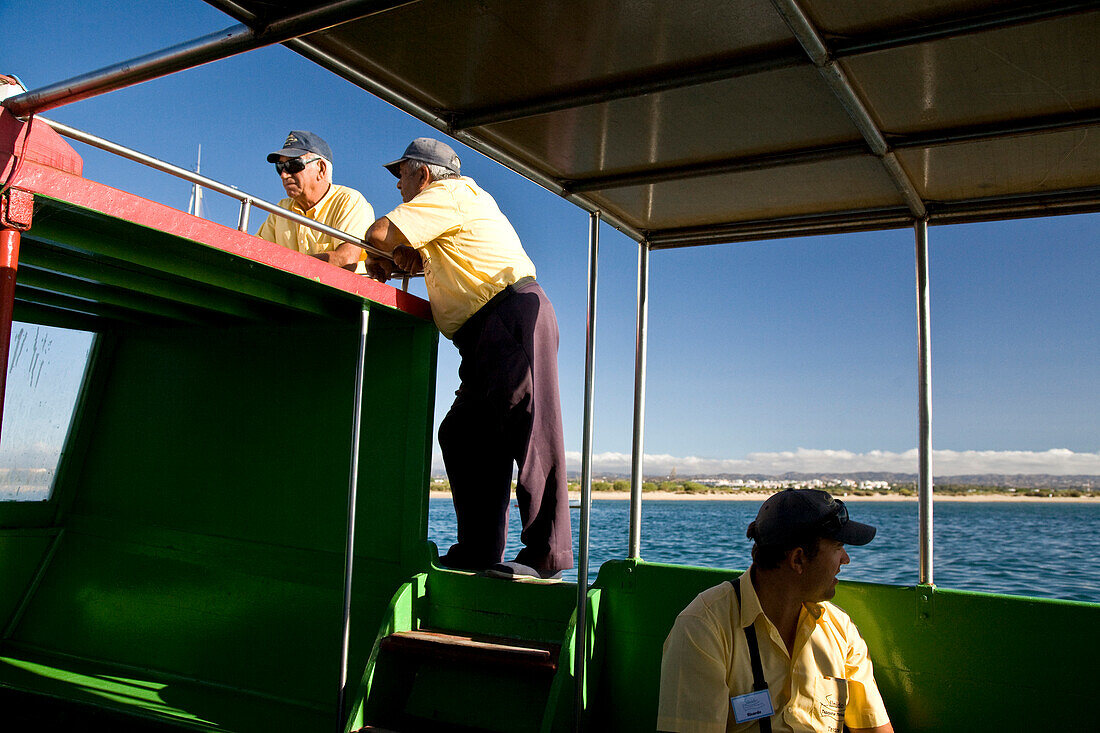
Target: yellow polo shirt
[[341, 208], [827, 682], [470, 250]]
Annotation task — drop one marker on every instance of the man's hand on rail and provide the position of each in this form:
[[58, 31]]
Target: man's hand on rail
[[407, 259], [346, 256], [383, 235], [379, 268]]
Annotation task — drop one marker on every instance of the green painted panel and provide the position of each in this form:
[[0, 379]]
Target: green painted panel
[[182, 702], [97, 292], [233, 432], [203, 493], [68, 239], [994, 656], [21, 555], [377, 686], [456, 694], [198, 617], [205, 517], [477, 605], [245, 433]]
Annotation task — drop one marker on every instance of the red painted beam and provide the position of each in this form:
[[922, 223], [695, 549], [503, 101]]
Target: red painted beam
[[33, 142], [9, 261]]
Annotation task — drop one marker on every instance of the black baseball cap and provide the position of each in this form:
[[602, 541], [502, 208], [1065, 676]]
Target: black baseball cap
[[299, 143], [791, 515], [427, 150]]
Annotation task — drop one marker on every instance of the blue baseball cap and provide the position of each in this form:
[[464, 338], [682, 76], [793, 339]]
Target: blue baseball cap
[[427, 150], [299, 143]]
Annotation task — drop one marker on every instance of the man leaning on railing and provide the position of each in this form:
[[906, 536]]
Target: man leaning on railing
[[304, 165]]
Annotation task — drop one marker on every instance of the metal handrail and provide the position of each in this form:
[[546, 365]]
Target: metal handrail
[[247, 200]]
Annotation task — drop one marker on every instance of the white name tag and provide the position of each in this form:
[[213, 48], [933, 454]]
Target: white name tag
[[752, 706]]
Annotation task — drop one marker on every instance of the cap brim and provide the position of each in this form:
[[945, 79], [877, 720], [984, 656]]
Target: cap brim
[[855, 533], [287, 153], [394, 167]]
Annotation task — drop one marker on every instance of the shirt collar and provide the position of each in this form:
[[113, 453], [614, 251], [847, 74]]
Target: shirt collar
[[750, 603]]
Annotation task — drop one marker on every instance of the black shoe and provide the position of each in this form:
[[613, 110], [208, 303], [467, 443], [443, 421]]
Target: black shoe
[[518, 571], [450, 562]]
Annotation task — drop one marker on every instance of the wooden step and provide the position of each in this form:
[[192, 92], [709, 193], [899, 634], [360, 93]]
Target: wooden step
[[489, 650]]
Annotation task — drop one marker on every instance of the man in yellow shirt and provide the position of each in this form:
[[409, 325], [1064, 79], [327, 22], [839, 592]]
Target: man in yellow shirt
[[484, 298], [304, 165], [768, 652]]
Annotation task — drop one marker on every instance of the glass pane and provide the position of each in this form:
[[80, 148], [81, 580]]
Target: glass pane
[[46, 367]]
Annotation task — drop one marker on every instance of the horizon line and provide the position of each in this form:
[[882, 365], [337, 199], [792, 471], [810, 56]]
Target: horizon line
[[945, 463]]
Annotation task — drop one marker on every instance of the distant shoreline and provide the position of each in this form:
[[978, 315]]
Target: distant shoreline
[[760, 496]]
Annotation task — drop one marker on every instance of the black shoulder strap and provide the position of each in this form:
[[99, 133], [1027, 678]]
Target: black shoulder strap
[[758, 681]]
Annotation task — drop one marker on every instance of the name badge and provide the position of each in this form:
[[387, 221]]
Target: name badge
[[753, 706]]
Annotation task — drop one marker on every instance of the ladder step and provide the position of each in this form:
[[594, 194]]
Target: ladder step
[[492, 650]]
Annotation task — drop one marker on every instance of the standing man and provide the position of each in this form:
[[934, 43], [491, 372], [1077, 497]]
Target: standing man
[[768, 652], [484, 298], [305, 167]]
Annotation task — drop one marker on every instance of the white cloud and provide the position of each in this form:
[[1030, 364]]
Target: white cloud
[[1057, 461]]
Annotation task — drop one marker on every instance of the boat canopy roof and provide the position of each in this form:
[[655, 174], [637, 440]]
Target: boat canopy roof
[[705, 121]]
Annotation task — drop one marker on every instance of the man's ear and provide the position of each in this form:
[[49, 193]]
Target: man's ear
[[796, 559]]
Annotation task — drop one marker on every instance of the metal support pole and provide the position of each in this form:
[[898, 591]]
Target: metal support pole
[[212, 47], [246, 209], [353, 485], [638, 450], [9, 261], [581, 643], [924, 408]]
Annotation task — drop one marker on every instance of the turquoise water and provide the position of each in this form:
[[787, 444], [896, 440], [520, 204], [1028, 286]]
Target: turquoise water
[[1020, 548]]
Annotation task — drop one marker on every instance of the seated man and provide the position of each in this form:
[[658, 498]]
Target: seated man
[[305, 166], [767, 652]]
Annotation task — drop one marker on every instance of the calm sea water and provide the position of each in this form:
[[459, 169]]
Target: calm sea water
[[1019, 548]]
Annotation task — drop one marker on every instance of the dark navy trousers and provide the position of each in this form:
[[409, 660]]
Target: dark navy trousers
[[508, 411]]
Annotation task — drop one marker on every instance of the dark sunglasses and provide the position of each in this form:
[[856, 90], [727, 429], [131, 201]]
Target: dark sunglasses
[[837, 519], [292, 166]]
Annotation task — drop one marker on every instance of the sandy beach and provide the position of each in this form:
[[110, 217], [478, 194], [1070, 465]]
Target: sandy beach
[[755, 496]]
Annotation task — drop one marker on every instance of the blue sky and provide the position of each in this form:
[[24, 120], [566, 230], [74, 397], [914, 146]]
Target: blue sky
[[774, 356]]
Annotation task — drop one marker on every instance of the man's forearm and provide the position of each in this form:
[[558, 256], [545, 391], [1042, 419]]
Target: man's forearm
[[344, 255], [383, 235]]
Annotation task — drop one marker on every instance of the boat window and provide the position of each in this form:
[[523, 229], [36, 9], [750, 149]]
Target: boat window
[[46, 367]]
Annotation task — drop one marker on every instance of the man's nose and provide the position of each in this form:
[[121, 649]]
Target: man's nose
[[844, 559]]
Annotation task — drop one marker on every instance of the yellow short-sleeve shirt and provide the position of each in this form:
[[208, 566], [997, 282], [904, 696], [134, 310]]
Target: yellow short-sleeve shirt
[[828, 681], [470, 250], [341, 207]]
